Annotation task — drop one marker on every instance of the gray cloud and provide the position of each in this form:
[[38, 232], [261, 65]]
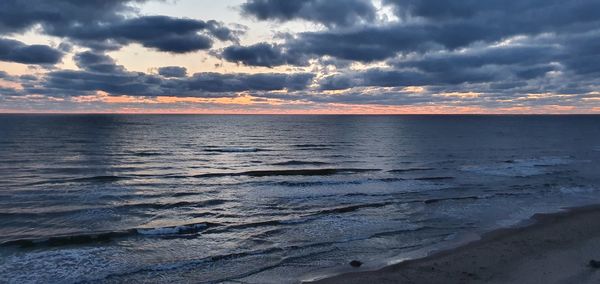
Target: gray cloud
[[103, 25], [19, 16], [158, 32], [430, 25], [502, 51], [262, 54], [16, 51], [327, 12], [95, 62], [499, 49], [172, 71], [101, 73]]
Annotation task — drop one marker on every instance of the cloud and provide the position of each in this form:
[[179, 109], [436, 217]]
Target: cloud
[[74, 83], [99, 72], [172, 71], [158, 32], [16, 51], [19, 16], [262, 54], [485, 53], [327, 12], [103, 25], [497, 49], [95, 62], [430, 25]]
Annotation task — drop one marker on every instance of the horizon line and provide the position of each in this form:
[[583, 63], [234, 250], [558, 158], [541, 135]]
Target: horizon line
[[303, 114]]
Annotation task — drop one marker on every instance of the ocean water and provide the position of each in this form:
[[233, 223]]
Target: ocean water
[[271, 199]]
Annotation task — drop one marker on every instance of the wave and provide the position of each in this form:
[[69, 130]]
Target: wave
[[335, 182], [258, 224], [436, 200], [394, 179], [126, 206], [410, 170], [433, 178], [397, 232], [202, 203], [75, 239], [255, 224], [474, 197], [174, 230], [104, 237], [312, 145], [315, 183], [298, 172], [351, 208], [233, 149], [255, 173], [519, 167], [163, 267], [316, 149], [146, 153], [300, 163], [99, 179], [107, 178]]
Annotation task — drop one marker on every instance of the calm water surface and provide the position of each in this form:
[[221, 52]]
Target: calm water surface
[[271, 199]]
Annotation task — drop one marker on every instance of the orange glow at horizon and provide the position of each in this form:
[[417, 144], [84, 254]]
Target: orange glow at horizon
[[244, 103], [339, 109]]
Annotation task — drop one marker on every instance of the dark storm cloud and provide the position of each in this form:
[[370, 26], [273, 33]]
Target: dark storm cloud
[[327, 12], [262, 54], [172, 71], [16, 51], [102, 25]]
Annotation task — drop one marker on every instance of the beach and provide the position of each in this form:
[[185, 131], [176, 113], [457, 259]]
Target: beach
[[554, 248]]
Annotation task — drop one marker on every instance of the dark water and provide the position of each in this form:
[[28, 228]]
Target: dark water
[[114, 198]]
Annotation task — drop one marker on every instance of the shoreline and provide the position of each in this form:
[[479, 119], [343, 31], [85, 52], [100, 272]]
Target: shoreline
[[547, 248]]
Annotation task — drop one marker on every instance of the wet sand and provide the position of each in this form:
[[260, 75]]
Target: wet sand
[[556, 248]]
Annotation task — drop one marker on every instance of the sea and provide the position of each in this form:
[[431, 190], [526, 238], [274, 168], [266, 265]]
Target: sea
[[272, 198]]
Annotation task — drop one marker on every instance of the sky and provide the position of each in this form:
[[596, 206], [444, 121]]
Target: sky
[[300, 56]]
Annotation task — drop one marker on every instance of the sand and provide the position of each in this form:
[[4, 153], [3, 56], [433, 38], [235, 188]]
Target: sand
[[556, 248]]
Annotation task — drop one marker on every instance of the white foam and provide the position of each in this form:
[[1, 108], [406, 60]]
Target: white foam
[[60, 266]]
